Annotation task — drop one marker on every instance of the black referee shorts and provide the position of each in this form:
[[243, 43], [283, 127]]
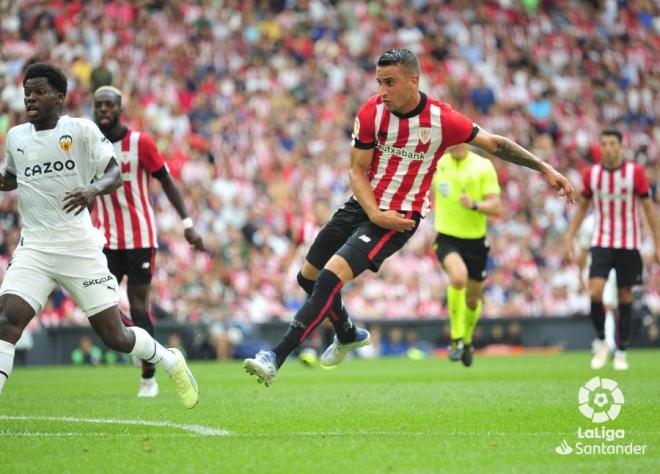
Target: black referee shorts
[[626, 262], [474, 253], [136, 264], [351, 234]]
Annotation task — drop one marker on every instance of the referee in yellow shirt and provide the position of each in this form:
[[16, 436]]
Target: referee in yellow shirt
[[466, 193]]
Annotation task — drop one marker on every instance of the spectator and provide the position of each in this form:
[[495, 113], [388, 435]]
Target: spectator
[[86, 353]]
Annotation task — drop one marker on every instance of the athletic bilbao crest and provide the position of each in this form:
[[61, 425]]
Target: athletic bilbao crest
[[66, 142], [424, 135]]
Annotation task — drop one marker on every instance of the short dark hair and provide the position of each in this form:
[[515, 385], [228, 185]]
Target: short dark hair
[[53, 75], [400, 56], [614, 132]]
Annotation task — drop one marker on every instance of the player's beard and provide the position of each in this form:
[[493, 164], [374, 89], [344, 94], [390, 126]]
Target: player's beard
[[105, 129]]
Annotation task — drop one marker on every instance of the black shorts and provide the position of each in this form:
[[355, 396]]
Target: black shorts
[[474, 253], [136, 264], [626, 262], [362, 244]]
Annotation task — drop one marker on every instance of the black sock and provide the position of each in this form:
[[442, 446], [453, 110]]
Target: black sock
[[339, 317], [624, 326], [310, 315], [598, 318]]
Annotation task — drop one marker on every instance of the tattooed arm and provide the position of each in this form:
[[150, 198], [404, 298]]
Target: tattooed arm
[[510, 151]]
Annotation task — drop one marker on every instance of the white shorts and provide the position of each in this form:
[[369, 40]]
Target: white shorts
[[33, 274]]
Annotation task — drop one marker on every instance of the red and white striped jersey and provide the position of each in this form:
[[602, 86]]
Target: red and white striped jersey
[[407, 148], [615, 196], [126, 216]]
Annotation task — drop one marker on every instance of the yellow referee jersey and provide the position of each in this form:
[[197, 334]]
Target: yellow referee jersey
[[474, 175]]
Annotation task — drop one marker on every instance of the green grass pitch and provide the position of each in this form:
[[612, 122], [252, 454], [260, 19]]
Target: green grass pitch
[[505, 414]]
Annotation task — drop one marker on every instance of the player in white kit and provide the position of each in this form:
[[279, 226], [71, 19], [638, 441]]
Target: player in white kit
[[60, 165]]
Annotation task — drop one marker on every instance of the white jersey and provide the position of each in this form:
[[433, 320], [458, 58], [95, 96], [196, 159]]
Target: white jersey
[[48, 164]]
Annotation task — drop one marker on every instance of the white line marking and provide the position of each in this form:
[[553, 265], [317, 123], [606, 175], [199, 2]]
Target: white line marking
[[197, 429], [71, 434]]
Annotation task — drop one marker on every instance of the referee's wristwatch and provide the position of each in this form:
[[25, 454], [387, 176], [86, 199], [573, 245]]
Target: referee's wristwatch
[[475, 205]]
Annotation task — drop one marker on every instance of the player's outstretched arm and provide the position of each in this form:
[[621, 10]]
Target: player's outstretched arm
[[8, 181], [508, 150], [174, 196], [569, 236], [361, 187], [81, 198]]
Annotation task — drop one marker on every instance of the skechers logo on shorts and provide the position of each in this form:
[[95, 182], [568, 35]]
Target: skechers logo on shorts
[[49, 167], [98, 281]]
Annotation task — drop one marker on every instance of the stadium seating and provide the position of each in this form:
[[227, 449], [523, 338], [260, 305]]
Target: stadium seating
[[253, 110]]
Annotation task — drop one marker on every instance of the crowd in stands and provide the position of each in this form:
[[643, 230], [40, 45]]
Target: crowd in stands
[[252, 103]]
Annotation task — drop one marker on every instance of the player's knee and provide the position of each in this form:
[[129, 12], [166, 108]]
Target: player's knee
[[458, 280], [12, 321], [625, 295], [9, 332], [472, 302], [340, 267], [596, 295], [309, 271]]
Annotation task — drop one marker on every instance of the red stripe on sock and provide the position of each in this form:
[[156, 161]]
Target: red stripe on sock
[[319, 317]]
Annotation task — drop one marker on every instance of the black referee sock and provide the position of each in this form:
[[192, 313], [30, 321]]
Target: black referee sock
[[624, 326], [327, 287], [339, 317], [598, 318]]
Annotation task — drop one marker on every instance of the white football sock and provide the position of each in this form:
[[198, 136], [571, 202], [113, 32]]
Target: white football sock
[[6, 362], [148, 349]]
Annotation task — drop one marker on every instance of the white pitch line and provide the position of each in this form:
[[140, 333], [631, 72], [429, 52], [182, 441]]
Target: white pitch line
[[197, 429], [71, 434]]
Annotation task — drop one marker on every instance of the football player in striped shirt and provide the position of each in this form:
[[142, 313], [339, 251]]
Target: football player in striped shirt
[[616, 187], [398, 137], [127, 218]]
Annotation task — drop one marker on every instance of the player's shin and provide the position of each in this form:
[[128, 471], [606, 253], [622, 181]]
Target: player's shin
[[624, 326], [150, 350], [327, 288], [456, 307], [6, 362], [471, 318], [341, 321], [598, 318]]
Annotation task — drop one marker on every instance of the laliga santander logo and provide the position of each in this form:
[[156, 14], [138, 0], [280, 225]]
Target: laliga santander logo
[[600, 400]]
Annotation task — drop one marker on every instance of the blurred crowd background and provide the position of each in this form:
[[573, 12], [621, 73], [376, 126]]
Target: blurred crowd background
[[252, 104]]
